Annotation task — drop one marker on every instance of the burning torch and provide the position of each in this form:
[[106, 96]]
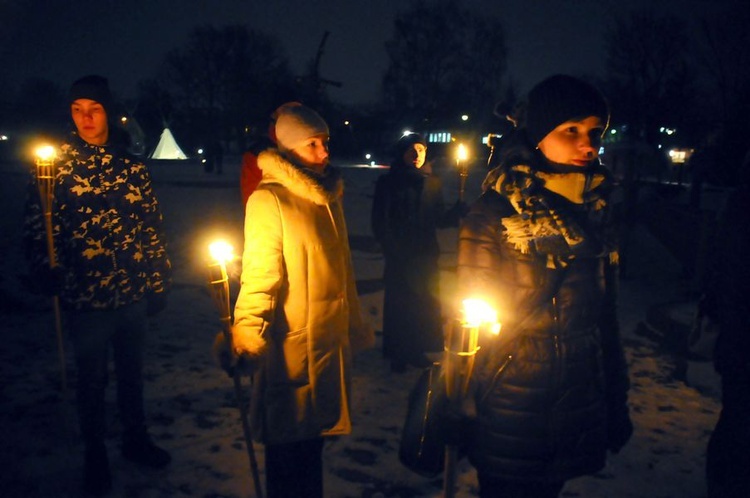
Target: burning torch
[[461, 346], [218, 283], [45, 178], [463, 169]]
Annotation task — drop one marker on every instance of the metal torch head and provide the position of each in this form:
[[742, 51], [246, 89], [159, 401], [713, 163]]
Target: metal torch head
[[218, 279], [45, 174]]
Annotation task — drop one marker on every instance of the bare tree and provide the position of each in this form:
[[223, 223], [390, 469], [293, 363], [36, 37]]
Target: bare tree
[[725, 55], [444, 60], [222, 79], [647, 71]]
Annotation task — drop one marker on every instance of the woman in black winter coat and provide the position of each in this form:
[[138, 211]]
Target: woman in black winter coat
[[551, 389], [407, 209]]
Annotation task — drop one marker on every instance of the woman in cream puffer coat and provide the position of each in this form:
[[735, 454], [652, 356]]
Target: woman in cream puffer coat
[[299, 303], [297, 318]]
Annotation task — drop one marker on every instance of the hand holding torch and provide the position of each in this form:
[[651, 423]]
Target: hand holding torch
[[45, 177], [461, 346], [218, 283]]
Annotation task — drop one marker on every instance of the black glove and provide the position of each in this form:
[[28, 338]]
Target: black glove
[[229, 361], [457, 422], [156, 302], [619, 430]]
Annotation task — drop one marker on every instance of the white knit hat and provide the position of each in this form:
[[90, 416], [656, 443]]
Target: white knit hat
[[295, 123]]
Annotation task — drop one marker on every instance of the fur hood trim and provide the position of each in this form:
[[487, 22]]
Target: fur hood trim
[[320, 189]]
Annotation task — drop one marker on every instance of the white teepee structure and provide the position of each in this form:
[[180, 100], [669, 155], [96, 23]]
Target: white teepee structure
[[167, 147]]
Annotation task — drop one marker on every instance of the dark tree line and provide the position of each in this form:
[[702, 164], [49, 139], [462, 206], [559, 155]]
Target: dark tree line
[[444, 60], [210, 88]]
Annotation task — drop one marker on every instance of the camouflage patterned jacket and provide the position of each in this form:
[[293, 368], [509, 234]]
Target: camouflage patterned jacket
[[106, 226]]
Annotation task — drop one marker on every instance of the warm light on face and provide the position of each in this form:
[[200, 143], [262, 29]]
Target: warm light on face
[[44, 152], [90, 119], [573, 143], [416, 155], [313, 153], [477, 312], [221, 251]]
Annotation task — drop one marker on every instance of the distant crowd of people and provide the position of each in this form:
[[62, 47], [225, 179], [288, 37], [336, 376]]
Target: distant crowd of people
[[540, 244]]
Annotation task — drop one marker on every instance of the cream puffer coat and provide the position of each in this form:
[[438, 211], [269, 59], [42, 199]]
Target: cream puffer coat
[[297, 314]]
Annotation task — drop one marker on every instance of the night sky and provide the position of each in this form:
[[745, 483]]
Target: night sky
[[126, 40]]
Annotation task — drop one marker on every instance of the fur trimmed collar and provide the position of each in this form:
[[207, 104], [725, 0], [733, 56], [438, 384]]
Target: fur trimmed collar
[[321, 189]]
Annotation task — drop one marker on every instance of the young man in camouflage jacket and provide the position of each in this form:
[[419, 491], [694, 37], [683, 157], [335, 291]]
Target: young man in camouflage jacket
[[112, 271]]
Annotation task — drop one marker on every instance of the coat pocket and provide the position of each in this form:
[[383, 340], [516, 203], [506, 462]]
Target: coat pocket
[[292, 364]]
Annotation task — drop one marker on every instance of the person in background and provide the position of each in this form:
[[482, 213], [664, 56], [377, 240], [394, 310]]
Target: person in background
[[407, 210], [728, 453], [250, 173], [112, 273], [550, 391], [297, 319]]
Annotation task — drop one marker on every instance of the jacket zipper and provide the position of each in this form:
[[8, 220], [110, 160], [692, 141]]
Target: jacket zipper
[[556, 336], [495, 378]]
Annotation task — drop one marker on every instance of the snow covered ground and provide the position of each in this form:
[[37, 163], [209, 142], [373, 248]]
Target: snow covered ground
[[190, 402]]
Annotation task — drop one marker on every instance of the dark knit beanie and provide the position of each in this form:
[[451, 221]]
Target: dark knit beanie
[[92, 87], [405, 142], [558, 99]]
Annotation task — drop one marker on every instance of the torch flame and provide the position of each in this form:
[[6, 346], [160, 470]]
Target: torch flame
[[462, 153], [44, 152], [477, 313], [221, 251]]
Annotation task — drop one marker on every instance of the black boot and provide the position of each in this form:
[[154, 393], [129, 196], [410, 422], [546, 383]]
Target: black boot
[[144, 452], [97, 479]]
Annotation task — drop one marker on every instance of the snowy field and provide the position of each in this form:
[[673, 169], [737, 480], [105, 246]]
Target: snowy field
[[190, 402]]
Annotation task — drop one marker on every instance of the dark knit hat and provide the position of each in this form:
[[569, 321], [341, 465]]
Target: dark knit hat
[[558, 99], [405, 142], [92, 87]]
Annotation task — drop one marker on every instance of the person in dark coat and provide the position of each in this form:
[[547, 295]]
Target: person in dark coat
[[728, 454], [407, 209], [550, 390]]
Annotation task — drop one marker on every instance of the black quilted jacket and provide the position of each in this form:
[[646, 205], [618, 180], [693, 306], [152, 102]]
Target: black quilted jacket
[[549, 384]]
